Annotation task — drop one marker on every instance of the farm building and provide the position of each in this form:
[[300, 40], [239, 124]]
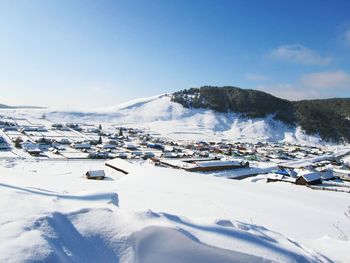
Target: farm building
[[295, 165], [199, 165], [95, 174], [81, 146], [130, 146], [344, 174], [217, 165], [275, 177], [106, 146], [307, 177], [327, 175]]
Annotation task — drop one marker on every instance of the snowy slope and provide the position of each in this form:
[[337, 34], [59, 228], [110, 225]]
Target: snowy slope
[[172, 119], [50, 213]]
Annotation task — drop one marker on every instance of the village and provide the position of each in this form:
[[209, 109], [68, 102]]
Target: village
[[318, 167]]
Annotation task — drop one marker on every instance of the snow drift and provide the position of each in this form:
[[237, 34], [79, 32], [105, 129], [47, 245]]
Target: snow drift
[[156, 215]]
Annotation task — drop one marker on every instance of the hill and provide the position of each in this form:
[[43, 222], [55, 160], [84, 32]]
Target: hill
[[171, 119], [328, 118], [3, 106]]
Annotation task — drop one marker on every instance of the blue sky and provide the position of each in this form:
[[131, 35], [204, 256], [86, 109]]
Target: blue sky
[[71, 53]]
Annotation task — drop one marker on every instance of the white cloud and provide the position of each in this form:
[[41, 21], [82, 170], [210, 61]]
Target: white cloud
[[332, 80], [299, 54], [289, 91], [256, 77], [313, 86]]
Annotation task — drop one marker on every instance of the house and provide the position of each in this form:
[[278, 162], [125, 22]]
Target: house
[[93, 130], [147, 155], [33, 129], [277, 177], [218, 165], [57, 126], [64, 141], [98, 155], [130, 146], [43, 140], [136, 154], [157, 146], [95, 174], [81, 146], [74, 126], [31, 148], [327, 175], [307, 177], [300, 164], [34, 151], [287, 172], [122, 155], [106, 146], [343, 174], [3, 144]]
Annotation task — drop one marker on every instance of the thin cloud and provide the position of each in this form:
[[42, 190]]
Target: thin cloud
[[299, 54], [316, 85], [333, 80], [256, 77], [289, 91]]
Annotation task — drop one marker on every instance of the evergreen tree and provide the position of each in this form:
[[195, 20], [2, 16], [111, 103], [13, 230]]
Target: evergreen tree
[[18, 142], [100, 140], [229, 151]]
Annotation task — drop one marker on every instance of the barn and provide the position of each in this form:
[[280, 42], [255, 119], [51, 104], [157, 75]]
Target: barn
[[308, 178]]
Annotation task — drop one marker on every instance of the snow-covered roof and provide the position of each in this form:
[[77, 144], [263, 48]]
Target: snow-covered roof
[[281, 177], [296, 164], [309, 176], [82, 145], [96, 173], [218, 163], [327, 175]]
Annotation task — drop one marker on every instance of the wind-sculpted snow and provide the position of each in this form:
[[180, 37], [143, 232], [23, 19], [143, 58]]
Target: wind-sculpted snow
[[159, 215], [160, 244], [96, 235], [172, 119]]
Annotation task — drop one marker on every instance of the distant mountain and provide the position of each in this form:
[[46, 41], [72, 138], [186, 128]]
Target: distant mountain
[[328, 118], [3, 106]]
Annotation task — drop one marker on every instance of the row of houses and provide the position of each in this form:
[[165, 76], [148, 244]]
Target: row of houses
[[202, 164]]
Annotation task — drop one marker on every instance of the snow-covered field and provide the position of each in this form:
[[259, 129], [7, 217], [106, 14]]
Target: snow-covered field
[[51, 213]]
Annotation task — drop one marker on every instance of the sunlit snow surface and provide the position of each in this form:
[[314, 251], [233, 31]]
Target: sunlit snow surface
[[51, 213]]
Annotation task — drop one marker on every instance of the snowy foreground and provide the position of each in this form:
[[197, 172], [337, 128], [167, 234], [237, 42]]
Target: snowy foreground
[[51, 213]]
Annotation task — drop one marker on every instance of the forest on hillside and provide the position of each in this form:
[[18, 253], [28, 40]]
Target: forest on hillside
[[329, 118]]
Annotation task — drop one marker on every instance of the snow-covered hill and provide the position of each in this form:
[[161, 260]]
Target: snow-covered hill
[[171, 119]]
